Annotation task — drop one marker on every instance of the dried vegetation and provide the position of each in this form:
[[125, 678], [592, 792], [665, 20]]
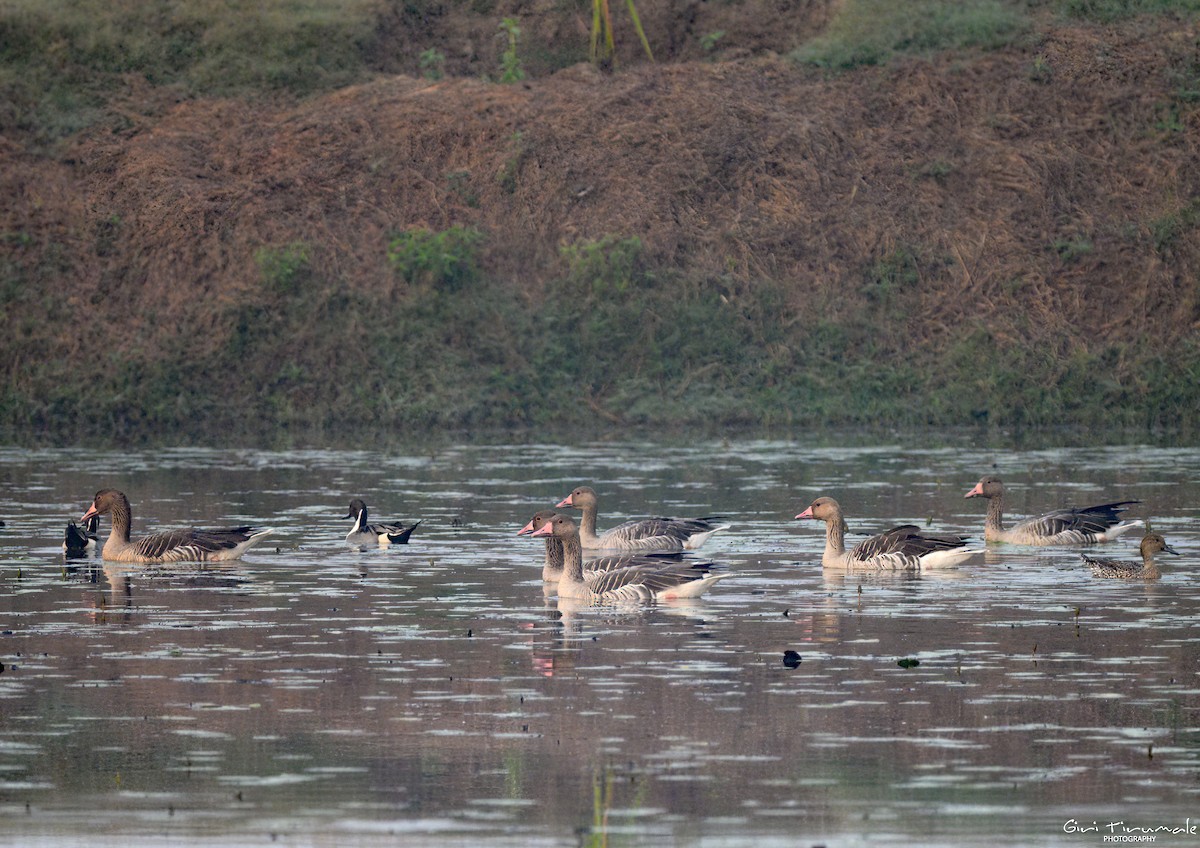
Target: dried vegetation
[[1007, 236]]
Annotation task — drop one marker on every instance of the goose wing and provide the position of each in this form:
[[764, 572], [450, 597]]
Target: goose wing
[[182, 545], [681, 529], [641, 583], [1090, 519], [905, 542], [612, 562]]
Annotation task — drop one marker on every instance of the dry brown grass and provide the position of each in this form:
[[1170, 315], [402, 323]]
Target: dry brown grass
[[729, 173]]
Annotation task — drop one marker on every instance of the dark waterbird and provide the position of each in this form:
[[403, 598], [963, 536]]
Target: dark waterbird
[[81, 540], [363, 533]]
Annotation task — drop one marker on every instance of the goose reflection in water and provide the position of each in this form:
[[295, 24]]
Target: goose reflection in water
[[115, 605]]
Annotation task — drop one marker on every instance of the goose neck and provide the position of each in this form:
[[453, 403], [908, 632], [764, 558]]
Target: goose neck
[[573, 559], [994, 523]]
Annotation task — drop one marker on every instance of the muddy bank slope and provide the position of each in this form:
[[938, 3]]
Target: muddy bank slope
[[1006, 236]]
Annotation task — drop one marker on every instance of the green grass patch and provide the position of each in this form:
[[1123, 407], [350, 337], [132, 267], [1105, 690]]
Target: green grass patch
[[60, 59], [1110, 11], [870, 32]]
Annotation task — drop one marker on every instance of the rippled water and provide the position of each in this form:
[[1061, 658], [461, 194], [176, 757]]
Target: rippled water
[[313, 694]]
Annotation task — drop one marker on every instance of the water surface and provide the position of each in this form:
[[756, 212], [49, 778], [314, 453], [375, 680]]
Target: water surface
[[434, 693]]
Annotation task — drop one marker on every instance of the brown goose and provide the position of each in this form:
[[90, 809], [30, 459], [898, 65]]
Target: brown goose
[[1151, 544], [552, 570], [170, 546], [904, 547], [633, 583], [1084, 526], [553, 567], [643, 535]]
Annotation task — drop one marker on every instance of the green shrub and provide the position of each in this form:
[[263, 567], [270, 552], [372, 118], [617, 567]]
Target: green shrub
[[433, 64], [1071, 249], [446, 259], [1167, 230], [605, 265], [510, 60], [281, 269], [891, 276]]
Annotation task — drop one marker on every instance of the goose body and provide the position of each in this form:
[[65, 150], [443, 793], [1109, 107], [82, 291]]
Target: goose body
[[1083, 526], [901, 548], [642, 535], [1151, 544], [190, 545], [553, 567], [629, 583], [363, 533], [81, 540]]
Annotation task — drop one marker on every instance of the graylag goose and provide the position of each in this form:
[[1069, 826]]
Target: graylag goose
[[1084, 526], [169, 546], [363, 533], [81, 540], [1151, 544], [553, 567], [643, 535], [633, 583], [552, 570], [901, 548]]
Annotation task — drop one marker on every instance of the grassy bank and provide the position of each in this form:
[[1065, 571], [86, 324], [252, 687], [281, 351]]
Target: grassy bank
[[968, 216], [611, 343]]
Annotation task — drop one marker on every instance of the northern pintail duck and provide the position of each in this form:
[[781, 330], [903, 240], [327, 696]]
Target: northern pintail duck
[[169, 546], [1083, 526], [363, 533], [632, 583], [642, 535], [1151, 544], [901, 548], [81, 540]]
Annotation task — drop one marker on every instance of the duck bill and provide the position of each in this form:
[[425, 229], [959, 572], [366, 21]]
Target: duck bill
[[806, 514], [977, 492], [91, 511], [1171, 550], [526, 530], [544, 531], [565, 502]]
